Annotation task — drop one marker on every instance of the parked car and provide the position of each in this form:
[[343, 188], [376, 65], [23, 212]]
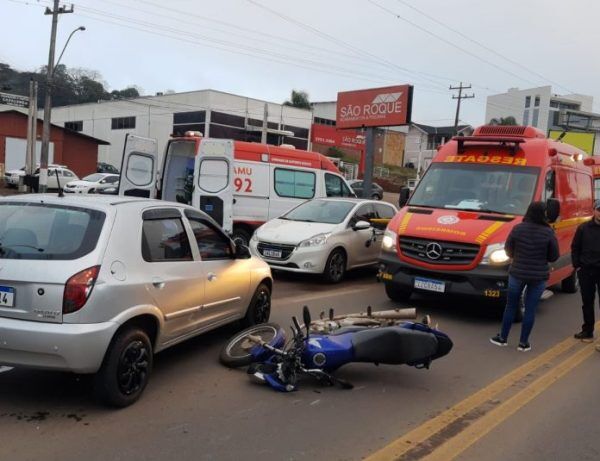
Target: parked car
[[323, 236], [92, 183], [93, 284], [55, 180], [106, 168], [357, 187], [12, 177]]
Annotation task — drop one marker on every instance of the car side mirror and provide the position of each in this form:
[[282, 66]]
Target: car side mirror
[[404, 196], [552, 209], [361, 225], [242, 251]]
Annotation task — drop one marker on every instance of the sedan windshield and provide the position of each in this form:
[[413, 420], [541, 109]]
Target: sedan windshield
[[321, 211], [491, 188], [94, 177]]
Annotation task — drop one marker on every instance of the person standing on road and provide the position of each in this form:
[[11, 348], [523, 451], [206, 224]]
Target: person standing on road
[[585, 254], [531, 245]]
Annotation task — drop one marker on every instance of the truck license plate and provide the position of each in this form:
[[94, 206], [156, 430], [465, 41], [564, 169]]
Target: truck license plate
[[430, 285], [7, 297], [272, 253]]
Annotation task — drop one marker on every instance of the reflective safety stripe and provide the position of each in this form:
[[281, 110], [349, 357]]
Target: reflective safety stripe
[[570, 222], [488, 232], [404, 223]]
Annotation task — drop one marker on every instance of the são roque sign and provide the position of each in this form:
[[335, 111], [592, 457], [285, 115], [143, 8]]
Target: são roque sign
[[388, 106]]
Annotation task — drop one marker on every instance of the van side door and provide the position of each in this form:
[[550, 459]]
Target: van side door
[[213, 177], [139, 167]]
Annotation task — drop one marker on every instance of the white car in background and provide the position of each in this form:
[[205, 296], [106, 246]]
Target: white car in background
[[324, 236], [92, 183], [58, 176], [11, 177]]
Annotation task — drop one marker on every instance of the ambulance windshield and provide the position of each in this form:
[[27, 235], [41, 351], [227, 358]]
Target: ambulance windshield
[[488, 188]]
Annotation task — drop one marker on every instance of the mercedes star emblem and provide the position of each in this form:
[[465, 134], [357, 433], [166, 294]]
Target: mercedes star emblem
[[433, 250]]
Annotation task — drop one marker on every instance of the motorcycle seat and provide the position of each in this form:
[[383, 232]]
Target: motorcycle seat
[[394, 345]]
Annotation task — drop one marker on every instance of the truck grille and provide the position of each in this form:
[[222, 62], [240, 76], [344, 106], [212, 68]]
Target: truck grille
[[438, 251], [266, 247]]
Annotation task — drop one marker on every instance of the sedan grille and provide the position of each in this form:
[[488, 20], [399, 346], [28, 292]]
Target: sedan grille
[[438, 251], [275, 251]]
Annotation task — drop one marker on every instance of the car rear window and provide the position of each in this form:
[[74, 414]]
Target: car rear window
[[47, 232]]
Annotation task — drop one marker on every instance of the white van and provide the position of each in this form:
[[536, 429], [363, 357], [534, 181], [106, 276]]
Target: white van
[[239, 184]]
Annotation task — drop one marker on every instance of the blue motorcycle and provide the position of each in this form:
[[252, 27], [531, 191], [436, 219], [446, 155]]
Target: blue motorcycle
[[320, 347]]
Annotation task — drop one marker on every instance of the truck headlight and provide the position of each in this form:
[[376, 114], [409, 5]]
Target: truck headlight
[[495, 255], [388, 243], [314, 241]]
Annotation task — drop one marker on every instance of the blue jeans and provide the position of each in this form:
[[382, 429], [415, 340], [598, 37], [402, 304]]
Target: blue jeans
[[532, 299]]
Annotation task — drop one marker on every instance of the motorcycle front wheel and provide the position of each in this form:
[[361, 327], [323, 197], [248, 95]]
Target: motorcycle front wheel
[[236, 353]]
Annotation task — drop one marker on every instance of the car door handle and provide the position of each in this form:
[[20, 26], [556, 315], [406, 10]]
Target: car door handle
[[158, 283], [211, 276]]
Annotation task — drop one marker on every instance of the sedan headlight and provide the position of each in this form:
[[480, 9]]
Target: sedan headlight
[[495, 255], [388, 243], [314, 241]]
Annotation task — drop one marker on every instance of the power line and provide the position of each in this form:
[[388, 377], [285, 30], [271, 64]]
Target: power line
[[476, 42], [423, 29]]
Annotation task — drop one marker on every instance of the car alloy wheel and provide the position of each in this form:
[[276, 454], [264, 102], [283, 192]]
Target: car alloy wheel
[[132, 370]]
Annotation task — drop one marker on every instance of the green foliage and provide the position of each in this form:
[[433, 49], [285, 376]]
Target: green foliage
[[299, 99], [335, 152], [70, 85], [510, 120]]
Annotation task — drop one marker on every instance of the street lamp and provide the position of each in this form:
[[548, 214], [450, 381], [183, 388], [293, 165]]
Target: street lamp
[[48, 104]]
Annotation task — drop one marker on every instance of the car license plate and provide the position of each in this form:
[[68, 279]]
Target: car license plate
[[7, 297], [430, 285], [272, 253]]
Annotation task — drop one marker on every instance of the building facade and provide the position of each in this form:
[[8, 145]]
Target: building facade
[[213, 113]]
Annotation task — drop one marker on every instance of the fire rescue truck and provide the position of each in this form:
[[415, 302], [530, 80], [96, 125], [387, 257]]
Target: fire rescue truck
[[239, 184], [449, 239]]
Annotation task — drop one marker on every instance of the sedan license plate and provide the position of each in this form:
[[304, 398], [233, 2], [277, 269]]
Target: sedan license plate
[[272, 253], [430, 285], [7, 297]]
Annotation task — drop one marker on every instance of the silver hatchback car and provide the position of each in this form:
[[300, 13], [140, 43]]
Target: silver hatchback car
[[99, 284]]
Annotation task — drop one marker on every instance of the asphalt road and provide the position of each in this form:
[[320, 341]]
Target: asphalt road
[[195, 409]]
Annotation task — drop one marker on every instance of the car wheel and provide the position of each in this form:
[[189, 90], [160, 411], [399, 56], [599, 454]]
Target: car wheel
[[241, 236], [126, 368], [395, 293], [335, 268], [376, 197], [259, 309], [571, 283]]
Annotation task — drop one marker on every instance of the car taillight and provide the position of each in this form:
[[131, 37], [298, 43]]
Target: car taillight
[[78, 289]]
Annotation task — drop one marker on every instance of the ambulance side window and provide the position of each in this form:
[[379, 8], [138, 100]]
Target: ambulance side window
[[549, 185], [294, 183]]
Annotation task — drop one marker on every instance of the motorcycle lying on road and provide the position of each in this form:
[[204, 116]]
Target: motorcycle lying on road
[[320, 347]]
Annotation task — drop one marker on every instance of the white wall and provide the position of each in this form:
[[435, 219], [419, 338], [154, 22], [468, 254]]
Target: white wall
[[16, 149], [512, 103]]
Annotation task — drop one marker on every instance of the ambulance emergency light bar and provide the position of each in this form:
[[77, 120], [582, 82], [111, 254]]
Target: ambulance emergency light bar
[[504, 141]]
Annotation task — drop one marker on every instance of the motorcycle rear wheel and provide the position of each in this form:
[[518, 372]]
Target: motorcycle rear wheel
[[236, 353]]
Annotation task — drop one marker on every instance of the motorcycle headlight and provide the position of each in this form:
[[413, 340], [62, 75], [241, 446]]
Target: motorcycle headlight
[[388, 243], [495, 255], [314, 241]]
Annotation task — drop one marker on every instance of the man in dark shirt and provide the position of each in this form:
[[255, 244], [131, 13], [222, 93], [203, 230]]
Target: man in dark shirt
[[585, 253]]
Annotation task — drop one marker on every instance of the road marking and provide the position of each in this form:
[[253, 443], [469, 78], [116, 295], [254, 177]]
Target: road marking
[[430, 428], [458, 444], [324, 294]]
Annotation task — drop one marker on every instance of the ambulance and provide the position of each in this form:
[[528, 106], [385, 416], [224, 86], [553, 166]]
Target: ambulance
[[239, 184], [594, 163], [449, 238]]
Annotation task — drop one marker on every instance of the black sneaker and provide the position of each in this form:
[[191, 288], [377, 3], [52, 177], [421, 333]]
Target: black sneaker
[[499, 341], [584, 337], [524, 347]]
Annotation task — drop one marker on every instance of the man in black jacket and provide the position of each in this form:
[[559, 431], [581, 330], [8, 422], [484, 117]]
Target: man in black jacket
[[585, 253]]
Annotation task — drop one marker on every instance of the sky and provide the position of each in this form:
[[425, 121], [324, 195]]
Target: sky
[[265, 48]]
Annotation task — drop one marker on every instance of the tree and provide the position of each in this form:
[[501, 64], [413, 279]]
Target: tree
[[510, 120], [299, 99]]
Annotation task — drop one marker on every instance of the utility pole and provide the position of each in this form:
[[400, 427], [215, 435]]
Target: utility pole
[[56, 10], [31, 131], [460, 97], [265, 125]]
